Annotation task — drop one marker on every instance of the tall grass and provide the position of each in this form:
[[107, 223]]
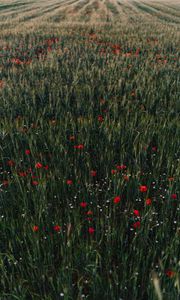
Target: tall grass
[[89, 162]]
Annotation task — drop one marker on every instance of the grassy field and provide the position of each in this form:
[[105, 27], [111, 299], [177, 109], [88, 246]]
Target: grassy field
[[89, 150]]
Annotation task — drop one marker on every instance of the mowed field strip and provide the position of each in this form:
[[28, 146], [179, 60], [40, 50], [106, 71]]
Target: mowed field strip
[[15, 13]]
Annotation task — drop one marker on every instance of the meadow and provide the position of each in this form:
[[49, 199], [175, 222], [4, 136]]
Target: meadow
[[89, 150]]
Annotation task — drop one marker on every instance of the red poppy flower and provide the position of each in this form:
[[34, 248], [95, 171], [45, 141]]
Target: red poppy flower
[[117, 199], [169, 273], [154, 148], [143, 188], [93, 173], [121, 167], [57, 228], [137, 52], [136, 212], [28, 62], [174, 196], [148, 201], [171, 178], [126, 177], [91, 230], [116, 46], [113, 172], [100, 118], [88, 219], [34, 182], [69, 182], [11, 163], [27, 152], [46, 167], [22, 174], [89, 212], [38, 165], [81, 146], [137, 224], [83, 204], [35, 228], [16, 61], [116, 51]]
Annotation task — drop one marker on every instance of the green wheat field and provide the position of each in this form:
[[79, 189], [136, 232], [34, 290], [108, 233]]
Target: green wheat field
[[89, 150]]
